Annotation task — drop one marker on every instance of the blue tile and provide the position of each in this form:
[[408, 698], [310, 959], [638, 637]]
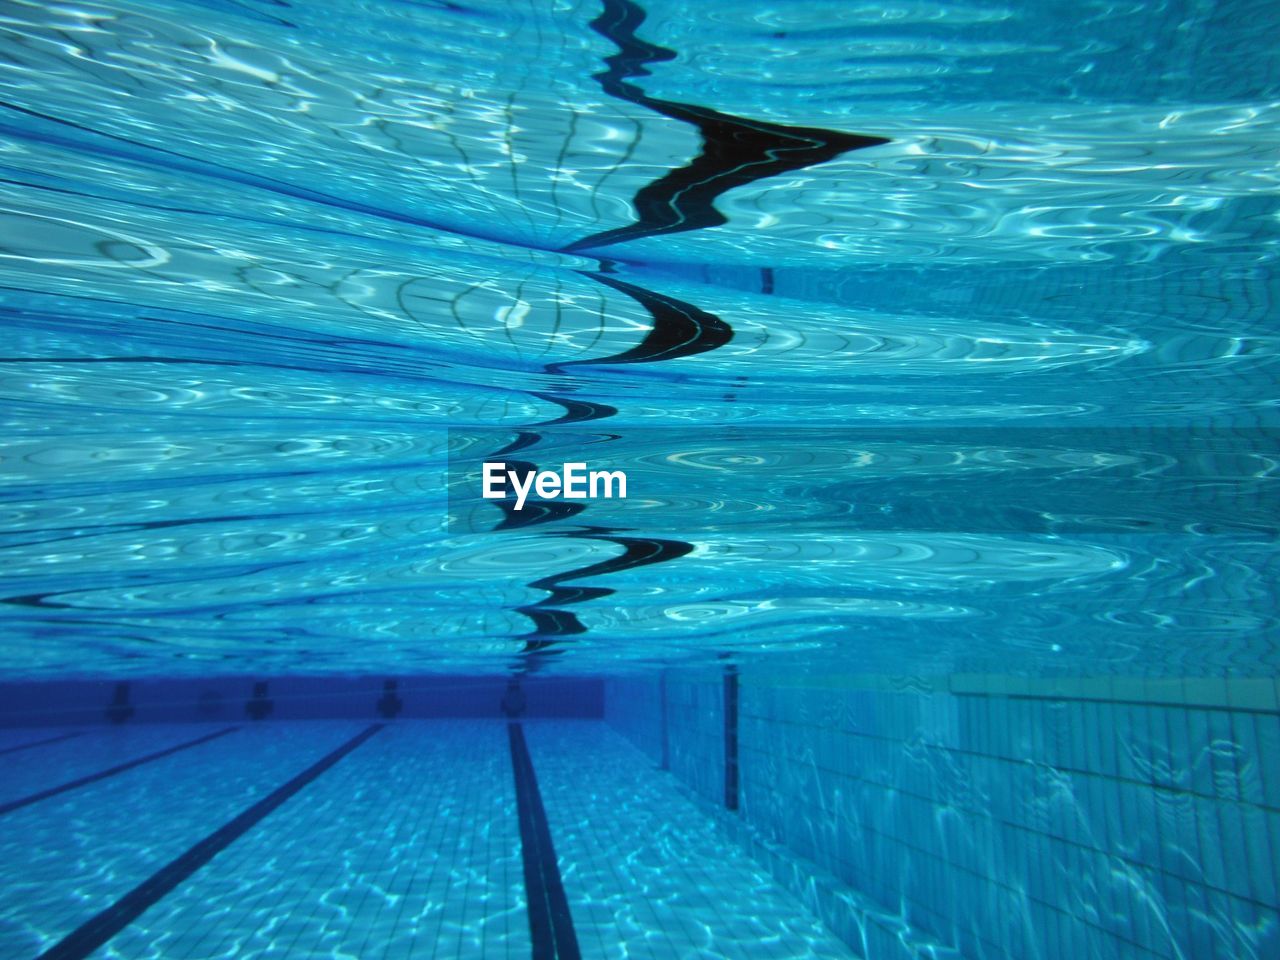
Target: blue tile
[[1267, 730], [1212, 855], [1223, 754], [1199, 740]]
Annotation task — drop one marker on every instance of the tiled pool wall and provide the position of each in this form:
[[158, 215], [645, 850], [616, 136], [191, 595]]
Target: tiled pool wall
[[1236, 294], [996, 816], [226, 699]]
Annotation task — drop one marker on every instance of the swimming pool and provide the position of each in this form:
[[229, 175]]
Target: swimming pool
[[925, 354]]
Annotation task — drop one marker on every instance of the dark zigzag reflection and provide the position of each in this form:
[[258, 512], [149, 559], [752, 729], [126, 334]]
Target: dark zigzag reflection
[[679, 330], [735, 150]]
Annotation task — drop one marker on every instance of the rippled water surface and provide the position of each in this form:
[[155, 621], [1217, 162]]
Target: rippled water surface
[[928, 334]]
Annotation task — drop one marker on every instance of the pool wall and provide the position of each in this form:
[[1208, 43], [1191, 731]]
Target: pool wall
[[994, 815], [292, 698]]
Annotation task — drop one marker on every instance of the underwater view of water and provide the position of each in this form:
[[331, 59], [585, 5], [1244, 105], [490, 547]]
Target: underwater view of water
[[936, 346]]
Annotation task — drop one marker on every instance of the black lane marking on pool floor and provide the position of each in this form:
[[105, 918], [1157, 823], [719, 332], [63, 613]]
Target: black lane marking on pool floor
[[111, 771], [40, 743], [92, 934], [550, 923]]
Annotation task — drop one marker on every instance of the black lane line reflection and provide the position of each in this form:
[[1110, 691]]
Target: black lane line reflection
[[551, 622], [111, 771], [735, 150], [637, 552], [92, 934], [39, 743], [550, 922], [575, 411], [679, 330], [548, 625]]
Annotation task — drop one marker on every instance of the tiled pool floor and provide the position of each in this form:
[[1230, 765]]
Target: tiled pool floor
[[408, 846]]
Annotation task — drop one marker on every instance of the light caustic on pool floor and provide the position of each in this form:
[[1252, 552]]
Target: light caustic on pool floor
[[410, 845]]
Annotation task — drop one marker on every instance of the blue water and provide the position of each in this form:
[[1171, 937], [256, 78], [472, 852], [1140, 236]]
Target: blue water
[[936, 341]]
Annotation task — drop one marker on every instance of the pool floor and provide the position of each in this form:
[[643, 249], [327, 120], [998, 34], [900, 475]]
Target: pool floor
[[408, 845]]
